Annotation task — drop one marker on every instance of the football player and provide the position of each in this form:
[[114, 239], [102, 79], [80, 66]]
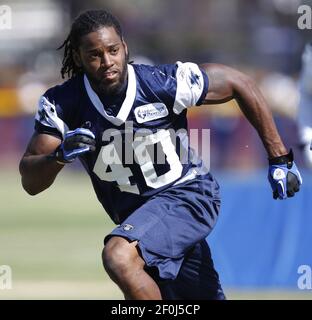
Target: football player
[[112, 114]]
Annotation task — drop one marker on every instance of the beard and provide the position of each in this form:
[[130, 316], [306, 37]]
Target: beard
[[104, 87]]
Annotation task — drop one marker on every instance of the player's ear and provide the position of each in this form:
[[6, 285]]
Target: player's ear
[[77, 59], [126, 48]]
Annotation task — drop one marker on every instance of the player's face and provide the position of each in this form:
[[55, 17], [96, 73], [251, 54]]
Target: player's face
[[103, 57]]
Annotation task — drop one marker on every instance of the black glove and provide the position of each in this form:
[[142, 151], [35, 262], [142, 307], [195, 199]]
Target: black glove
[[284, 177]]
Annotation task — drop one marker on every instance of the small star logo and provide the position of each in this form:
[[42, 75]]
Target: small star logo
[[194, 79], [43, 115]]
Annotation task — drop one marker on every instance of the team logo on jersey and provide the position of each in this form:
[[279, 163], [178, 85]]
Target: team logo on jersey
[[194, 79], [127, 227], [150, 112], [46, 112]]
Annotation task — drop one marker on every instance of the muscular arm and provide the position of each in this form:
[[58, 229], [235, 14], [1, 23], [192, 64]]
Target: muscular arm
[[225, 84], [38, 170]]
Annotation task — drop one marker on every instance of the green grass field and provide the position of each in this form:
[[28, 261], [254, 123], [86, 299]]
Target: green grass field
[[53, 243]]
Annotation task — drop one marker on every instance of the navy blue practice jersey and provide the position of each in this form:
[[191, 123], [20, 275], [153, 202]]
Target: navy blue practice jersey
[[142, 143]]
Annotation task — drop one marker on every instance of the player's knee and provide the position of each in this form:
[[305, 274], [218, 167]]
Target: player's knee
[[119, 256]]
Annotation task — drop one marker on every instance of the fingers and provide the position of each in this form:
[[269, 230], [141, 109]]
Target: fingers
[[275, 194], [84, 139], [293, 184], [83, 131], [86, 147], [92, 148], [80, 138], [296, 188], [281, 190], [79, 142], [290, 193]]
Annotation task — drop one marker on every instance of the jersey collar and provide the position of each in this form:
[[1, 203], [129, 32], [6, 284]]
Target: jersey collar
[[126, 105]]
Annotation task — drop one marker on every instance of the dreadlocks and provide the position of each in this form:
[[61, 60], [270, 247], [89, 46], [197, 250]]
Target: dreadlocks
[[85, 23]]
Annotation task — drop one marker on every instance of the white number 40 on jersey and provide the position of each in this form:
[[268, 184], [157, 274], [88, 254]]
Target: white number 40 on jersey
[[109, 167]]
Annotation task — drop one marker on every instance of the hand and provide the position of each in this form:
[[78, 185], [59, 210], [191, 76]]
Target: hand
[[284, 177], [75, 143]]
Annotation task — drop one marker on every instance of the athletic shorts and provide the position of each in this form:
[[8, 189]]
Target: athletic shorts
[[172, 226], [196, 280]]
